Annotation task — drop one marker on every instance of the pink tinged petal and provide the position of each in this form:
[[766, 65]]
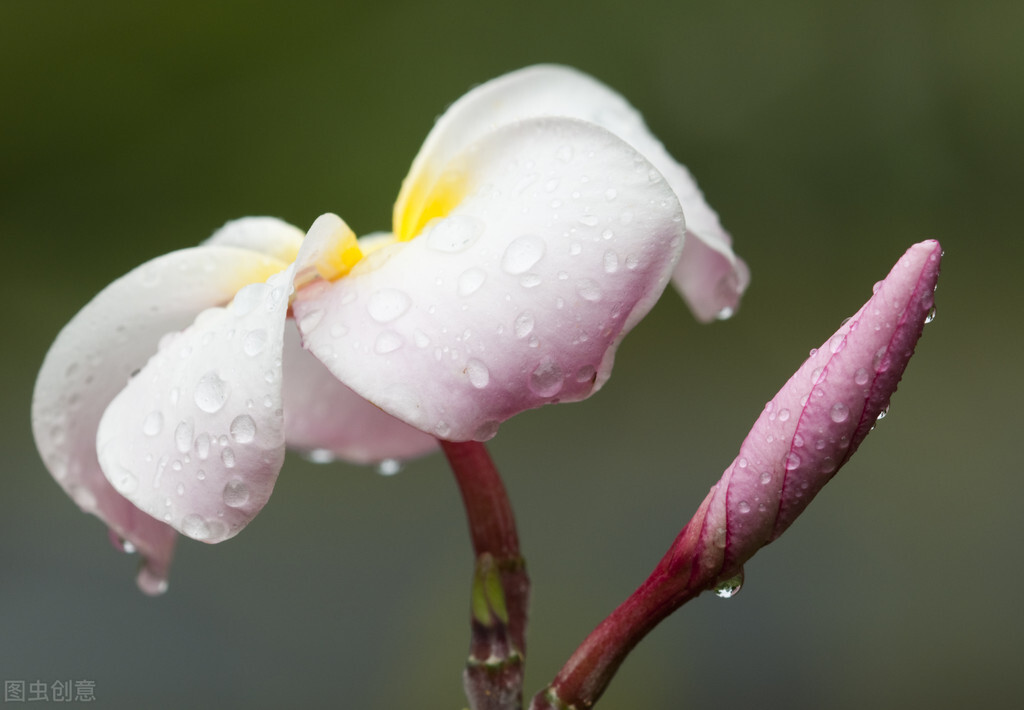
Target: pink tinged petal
[[94, 356], [518, 298], [821, 415], [325, 418], [709, 276], [266, 235], [196, 439]]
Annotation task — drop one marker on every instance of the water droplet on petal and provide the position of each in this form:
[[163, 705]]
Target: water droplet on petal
[[183, 436], [861, 376], [227, 457], [471, 280], [311, 320], [783, 415], [546, 379], [195, 527], [839, 412], [590, 220], [203, 446], [743, 506], [587, 373], [243, 429], [211, 393], [388, 304], [522, 254], [766, 477], [611, 262], [454, 234], [792, 461], [153, 423], [387, 342], [588, 290], [389, 467], [730, 587], [478, 373], [931, 315], [523, 324], [236, 493], [255, 341], [882, 414]]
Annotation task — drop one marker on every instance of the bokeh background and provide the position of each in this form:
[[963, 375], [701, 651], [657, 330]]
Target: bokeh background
[[830, 136]]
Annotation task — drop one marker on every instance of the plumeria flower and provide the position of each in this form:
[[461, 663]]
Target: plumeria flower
[[539, 223]]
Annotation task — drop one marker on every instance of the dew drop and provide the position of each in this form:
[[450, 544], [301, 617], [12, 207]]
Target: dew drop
[[387, 342], [195, 527], [766, 477], [454, 234], [861, 376], [529, 280], [546, 379], [523, 324], [730, 587], [743, 506], [792, 461], [610, 194], [151, 583], [236, 493], [522, 254], [310, 321], [588, 290], [590, 220], [183, 435], [839, 413], [478, 373], [388, 304], [203, 446], [471, 280], [243, 429], [931, 315], [389, 467], [211, 392], [783, 415], [227, 457], [611, 262], [836, 343], [153, 423], [883, 413], [587, 373]]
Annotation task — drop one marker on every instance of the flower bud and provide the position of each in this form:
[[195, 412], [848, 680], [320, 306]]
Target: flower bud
[[819, 418]]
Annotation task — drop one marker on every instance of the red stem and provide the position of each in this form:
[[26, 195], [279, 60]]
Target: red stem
[[680, 576], [493, 678]]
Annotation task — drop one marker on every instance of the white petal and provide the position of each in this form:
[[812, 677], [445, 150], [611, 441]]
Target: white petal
[[196, 439], [518, 297], [548, 90], [92, 359], [267, 235], [323, 415]]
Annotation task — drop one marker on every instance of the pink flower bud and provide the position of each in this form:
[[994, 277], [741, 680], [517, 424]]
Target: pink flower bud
[[819, 417]]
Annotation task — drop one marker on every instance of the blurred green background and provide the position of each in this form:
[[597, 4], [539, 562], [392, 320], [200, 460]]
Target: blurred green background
[[829, 136]]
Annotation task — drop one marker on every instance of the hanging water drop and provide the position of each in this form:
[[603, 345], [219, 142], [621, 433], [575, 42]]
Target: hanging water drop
[[389, 467], [730, 587], [320, 456]]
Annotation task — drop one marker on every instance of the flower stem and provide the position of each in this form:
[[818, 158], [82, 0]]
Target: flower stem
[[493, 678], [681, 575]]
